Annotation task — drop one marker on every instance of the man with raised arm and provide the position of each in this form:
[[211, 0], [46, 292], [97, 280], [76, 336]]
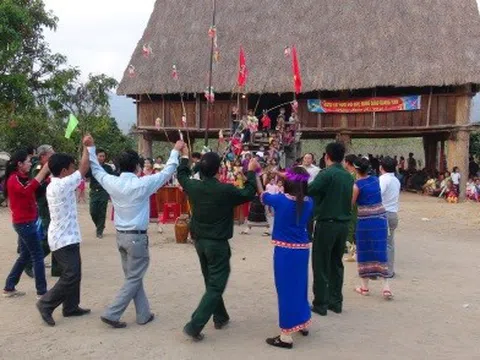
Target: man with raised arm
[[211, 227], [130, 196]]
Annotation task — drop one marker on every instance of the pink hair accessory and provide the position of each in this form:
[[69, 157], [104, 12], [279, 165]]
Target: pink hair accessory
[[291, 176]]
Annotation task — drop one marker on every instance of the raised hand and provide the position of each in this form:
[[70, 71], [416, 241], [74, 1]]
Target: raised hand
[[88, 141], [179, 145]]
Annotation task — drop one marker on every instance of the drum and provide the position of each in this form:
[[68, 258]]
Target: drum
[[182, 229]]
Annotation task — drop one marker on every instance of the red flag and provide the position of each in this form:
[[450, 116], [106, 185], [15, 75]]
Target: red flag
[[242, 69], [297, 78]]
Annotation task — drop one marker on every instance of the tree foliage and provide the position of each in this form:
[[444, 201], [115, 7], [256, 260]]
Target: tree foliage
[[38, 89]]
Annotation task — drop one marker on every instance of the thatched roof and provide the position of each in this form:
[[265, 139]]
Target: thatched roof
[[341, 44]]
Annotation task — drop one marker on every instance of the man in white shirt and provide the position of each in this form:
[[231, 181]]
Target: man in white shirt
[[307, 164], [390, 187], [64, 236], [130, 196]]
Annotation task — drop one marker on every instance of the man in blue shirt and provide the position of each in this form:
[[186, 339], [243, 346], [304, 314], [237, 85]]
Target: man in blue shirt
[[130, 196]]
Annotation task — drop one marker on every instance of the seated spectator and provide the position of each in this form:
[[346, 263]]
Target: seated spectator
[[472, 193]]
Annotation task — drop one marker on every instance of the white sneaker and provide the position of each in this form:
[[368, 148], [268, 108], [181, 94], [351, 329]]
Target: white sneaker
[[13, 293]]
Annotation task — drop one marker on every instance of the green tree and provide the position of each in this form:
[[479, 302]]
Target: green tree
[[38, 89], [28, 69]]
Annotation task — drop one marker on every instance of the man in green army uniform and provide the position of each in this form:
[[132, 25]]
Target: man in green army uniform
[[332, 194], [98, 196], [211, 227], [43, 155]]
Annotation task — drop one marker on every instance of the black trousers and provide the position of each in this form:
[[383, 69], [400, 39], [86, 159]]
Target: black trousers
[[67, 289]]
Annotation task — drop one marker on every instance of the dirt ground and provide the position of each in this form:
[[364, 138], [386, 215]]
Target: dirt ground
[[435, 313]]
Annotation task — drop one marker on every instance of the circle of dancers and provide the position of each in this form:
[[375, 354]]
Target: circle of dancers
[[341, 210]]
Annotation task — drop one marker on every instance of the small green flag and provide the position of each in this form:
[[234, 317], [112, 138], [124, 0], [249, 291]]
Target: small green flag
[[71, 126]]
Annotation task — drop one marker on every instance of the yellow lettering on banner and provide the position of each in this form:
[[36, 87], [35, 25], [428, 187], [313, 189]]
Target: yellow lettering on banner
[[395, 102], [350, 105], [356, 103], [365, 103]]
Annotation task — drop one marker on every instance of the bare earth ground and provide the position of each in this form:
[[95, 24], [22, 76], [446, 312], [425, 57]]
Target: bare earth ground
[[435, 314]]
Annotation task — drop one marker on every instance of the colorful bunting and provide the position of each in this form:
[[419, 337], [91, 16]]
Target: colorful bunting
[[147, 51], [131, 70], [174, 72], [210, 94]]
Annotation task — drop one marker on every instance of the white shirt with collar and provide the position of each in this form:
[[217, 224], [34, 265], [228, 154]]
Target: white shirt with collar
[[312, 171], [131, 194], [62, 203], [390, 187]]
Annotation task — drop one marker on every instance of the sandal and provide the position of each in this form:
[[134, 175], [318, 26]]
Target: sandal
[[387, 295], [362, 291]]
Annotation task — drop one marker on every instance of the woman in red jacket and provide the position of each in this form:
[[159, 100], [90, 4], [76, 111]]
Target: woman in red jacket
[[20, 192]]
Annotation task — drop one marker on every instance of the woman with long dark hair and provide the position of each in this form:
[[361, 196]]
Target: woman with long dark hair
[[20, 192], [372, 230], [293, 211]]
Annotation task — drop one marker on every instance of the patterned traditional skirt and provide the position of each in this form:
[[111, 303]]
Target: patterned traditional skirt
[[290, 262], [371, 241]]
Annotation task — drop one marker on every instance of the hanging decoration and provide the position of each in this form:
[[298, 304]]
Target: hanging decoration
[[147, 51], [212, 34], [297, 78], [184, 120], [210, 94], [242, 69], [287, 51], [174, 72], [131, 71], [158, 123]]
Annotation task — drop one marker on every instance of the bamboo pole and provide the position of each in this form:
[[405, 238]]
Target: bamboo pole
[[212, 49]]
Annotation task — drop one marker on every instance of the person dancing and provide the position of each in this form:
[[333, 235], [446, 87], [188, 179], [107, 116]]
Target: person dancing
[[20, 192], [293, 211], [372, 230], [131, 198], [213, 204]]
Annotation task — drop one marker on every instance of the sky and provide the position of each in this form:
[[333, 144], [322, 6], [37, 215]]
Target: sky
[[98, 36]]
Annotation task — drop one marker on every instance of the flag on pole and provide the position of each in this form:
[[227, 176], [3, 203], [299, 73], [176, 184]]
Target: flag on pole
[[71, 126], [242, 70], [297, 78]]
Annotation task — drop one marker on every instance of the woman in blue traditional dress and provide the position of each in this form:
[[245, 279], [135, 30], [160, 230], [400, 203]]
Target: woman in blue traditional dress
[[293, 211], [372, 230]]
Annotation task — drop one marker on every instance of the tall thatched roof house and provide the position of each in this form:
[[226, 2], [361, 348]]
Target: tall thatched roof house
[[347, 50]]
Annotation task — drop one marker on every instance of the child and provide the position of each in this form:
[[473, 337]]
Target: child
[[266, 122], [456, 179], [64, 236], [471, 190], [271, 188], [293, 211]]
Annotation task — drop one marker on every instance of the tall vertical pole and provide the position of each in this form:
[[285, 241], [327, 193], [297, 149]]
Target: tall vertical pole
[[210, 103]]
